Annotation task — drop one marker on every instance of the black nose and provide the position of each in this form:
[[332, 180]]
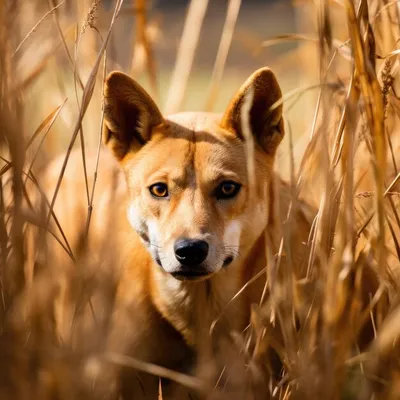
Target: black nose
[[191, 252]]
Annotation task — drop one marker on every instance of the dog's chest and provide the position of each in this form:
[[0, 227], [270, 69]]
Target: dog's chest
[[193, 308]]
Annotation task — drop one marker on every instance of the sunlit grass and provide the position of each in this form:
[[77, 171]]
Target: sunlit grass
[[333, 321]]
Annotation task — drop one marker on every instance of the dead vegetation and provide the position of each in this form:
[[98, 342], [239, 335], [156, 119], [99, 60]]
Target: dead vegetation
[[335, 332]]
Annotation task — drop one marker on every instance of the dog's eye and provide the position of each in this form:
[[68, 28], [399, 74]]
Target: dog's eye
[[227, 190], [159, 190]]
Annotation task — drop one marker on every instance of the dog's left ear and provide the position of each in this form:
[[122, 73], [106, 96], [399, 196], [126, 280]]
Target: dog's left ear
[[266, 125]]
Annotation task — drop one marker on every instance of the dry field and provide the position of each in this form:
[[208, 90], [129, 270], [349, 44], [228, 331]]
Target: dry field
[[335, 331]]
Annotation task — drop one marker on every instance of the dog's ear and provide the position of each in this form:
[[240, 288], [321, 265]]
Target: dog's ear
[[266, 125], [130, 114]]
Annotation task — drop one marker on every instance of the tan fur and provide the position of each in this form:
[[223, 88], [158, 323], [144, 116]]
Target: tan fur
[[161, 319]]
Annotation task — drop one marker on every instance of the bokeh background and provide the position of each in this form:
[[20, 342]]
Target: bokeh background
[[294, 61]]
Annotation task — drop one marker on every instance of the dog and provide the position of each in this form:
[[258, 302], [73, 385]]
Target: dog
[[192, 210], [190, 203], [199, 207]]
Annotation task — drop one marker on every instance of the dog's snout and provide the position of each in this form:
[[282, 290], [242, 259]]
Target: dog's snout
[[191, 252]]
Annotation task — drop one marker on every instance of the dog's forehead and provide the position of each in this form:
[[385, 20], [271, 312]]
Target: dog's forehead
[[189, 142], [192, 144], [196, 121], [204, 142]]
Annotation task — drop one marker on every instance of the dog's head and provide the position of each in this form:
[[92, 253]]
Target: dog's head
[[197, 200]]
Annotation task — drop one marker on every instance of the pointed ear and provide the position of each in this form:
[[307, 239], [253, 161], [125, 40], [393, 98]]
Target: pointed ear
[[130, 114], [266, 125]]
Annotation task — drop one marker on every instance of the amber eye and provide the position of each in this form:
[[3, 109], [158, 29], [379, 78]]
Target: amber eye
[[159, 190], [227, 190]]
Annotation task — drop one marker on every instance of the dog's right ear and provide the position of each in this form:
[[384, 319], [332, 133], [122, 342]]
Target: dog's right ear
[[130, 115]]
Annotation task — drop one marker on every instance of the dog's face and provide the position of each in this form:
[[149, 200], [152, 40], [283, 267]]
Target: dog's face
[[196, 199]]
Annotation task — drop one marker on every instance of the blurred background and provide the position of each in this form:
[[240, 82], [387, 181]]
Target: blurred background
[[145, 43]]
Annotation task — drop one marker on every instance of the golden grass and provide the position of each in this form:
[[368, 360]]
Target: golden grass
[[348, 171]]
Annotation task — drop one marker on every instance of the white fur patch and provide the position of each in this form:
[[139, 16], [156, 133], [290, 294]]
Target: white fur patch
[[152, 229], [138, 223], [232, 233], [134, 218]]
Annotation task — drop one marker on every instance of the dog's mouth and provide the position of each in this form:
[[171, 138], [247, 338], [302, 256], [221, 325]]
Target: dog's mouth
[[198, 273], [191, 274]]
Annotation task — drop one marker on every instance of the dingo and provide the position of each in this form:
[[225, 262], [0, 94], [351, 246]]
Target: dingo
[[198, 224], [190, 218], [193, 215]]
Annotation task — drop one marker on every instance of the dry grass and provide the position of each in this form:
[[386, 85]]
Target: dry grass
[[335, 330]]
